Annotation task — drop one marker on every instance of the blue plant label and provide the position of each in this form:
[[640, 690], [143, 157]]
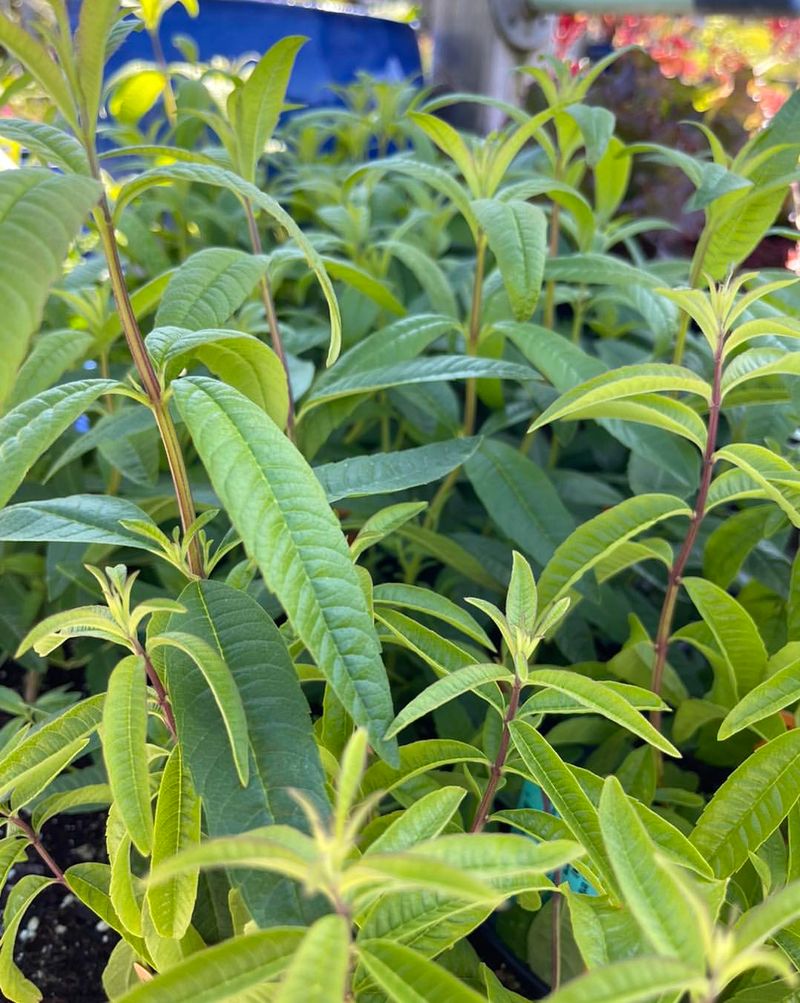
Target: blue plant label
[[532, 796]]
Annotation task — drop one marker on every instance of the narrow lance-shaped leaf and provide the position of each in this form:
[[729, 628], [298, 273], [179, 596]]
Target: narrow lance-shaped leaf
[[409, 977], [258, 103], [209, 287], [734, 631], [638, 980], [548, 770], [75, 519], [48, 143], [603, 700], [750, 804], [445, 689], [591, 542], [13, 983], [517, 236], [627, 381], [124, 749], [33, 426], [280, 511], [780, 689], [657, 900], [220, 681], [40, 213], [223, 971], [282, 752], [318, 971], [177, 825]]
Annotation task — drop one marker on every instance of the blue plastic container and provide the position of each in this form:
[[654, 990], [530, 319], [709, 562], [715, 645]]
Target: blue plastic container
[[340, 46]]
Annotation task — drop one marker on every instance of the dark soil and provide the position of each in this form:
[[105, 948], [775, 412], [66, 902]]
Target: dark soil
[[62, 947]]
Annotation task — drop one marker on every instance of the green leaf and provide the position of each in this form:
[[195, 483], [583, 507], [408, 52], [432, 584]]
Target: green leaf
[[777, 478], [13, 983], [408, 977], [255, 107], [548, 770], [48, 739], [219, 178], [40, 214], [425, 270], [768, 917], [91, 884], [522, 599], [737, 222], [94, 27], [36, 60], [124, 749], [551, 701], [209, 287], [52, 355], [422, 819], [443, 690], [280, 511], [282, 751], [597, 126], [750, 804], [416, 758], [383, 523], [450, 553], [92, 795], [517, 236], [30, 428], [177, 825], [224, 972], [433, 369], [451, 143], [438, 179], [40, 777], [319, 969], [602, 700], [235, 358], [75, 519], [385, 472], [734, 631], [627, 381], [555, 357], [48, 143], [363, 283], [220, 681], [633, 981], [591, 542], [780, 689], [433, 604], [649, 409], [519, 498], [757, 363], [654, 896]]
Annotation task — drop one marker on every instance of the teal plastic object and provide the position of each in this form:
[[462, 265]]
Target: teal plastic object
[[532, 796]]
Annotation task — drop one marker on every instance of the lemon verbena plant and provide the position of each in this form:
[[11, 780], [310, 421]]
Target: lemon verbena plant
[[400, 560]]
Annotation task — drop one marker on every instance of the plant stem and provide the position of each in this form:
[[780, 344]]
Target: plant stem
[[487, 801], [555, 937], [148, 377], [170, 106], [675, 575], [550, 292], [161, 693], [36, 843], [269, 310], [471, 402]]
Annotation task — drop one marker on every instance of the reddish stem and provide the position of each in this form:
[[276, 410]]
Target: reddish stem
[[36, 843], [485, 807], [161, 694], [675, 577]]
